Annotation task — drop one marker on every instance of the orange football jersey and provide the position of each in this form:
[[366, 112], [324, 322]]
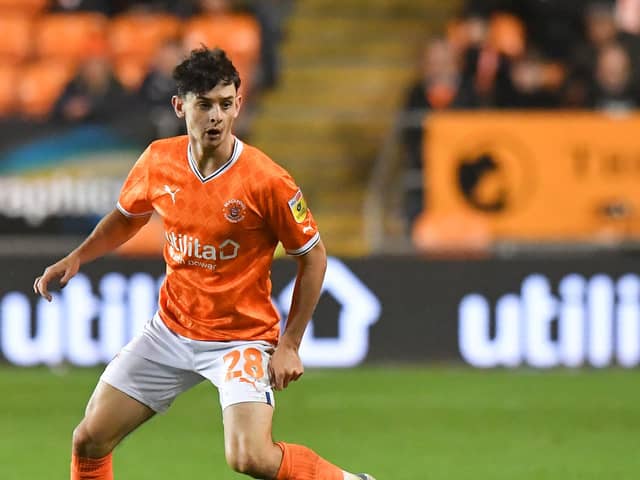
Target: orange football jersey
[[221, 232]]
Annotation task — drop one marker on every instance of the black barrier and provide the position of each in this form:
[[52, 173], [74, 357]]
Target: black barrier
[[539, 313]]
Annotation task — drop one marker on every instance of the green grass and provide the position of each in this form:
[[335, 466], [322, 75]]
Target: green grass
[[397, 423]]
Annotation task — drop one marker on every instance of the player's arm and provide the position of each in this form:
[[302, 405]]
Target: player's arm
[[285, 365], [112, 231]]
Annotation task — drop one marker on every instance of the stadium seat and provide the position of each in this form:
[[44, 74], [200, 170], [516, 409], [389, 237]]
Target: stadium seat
[[8, 86], [454, 235], [130, 70], [15, 37], [41, 84], [141, 34], [71, 36], [238, 35], [27, 7], [133, 41]]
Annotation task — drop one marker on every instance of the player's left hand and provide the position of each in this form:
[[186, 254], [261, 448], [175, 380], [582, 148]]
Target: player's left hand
[[285, 366]]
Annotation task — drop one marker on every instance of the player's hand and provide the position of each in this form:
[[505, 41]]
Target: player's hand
[[61, 271], [285, 366]]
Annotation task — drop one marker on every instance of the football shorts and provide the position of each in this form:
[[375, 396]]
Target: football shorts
[[158, 365]]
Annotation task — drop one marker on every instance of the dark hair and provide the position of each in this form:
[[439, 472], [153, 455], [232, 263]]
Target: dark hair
[[203, 70]]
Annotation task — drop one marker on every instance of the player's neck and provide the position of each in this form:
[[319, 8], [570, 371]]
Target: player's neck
[[209, 160]]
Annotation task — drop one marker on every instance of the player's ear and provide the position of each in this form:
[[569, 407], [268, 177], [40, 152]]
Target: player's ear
[[178, 105], [238, 104]]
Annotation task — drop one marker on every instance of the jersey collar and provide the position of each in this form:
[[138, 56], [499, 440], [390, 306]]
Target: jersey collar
[[235, 154]]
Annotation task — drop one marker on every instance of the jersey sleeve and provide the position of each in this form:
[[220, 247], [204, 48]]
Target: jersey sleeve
[[134, 199], [289, 217]]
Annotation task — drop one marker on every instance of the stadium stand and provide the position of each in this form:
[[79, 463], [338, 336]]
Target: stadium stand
[[347, 63], [130, 39]]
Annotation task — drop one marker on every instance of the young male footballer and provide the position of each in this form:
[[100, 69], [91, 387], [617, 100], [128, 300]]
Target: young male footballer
[[224, 206]]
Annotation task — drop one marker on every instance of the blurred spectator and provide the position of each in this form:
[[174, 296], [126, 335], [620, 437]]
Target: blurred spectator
[[440, 86], [93, 95], [534, 83], [600, 31], [551, 25], [614, 88], [487, 46], [628, 16], [107, 7], [214, 7], [181, 8], [157, 89]]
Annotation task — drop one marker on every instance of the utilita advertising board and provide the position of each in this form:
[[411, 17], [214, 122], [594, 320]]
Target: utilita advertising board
[[540, 313]]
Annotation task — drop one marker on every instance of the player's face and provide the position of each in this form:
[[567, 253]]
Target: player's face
[[209, 116]]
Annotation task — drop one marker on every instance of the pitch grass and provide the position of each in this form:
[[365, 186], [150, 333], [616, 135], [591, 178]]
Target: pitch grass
[[398, 423]]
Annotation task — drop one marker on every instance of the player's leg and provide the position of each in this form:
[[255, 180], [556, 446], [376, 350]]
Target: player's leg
[[248, 445], [249, 449], [109, 417], [143, 379], [247, 401]]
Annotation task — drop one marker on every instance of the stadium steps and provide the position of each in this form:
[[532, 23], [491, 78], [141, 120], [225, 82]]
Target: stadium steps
[[346, 67]]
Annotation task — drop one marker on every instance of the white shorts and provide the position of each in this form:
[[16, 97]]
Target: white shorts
[[158, 365]]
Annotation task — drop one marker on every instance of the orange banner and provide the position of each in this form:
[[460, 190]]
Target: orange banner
[[532, 176]]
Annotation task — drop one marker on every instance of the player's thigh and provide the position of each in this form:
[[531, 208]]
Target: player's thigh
[[247, 433]]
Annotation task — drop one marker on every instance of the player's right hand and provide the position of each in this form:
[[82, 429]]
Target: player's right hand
[[63, 271]]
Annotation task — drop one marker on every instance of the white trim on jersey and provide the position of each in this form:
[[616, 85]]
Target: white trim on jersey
[[235, 154], [306, 247], [126, 213]]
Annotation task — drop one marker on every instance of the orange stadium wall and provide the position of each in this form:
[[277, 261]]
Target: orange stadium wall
[[531, 177], [562, 312]]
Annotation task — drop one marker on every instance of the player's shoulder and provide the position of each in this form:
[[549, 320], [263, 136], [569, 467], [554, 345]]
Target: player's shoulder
[[169, 145], [256, 159]]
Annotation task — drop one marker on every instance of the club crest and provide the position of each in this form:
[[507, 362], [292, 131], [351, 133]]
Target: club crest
[[234, 210]]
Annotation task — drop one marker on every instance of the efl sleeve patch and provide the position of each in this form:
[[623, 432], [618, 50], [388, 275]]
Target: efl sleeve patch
[[298, 207]]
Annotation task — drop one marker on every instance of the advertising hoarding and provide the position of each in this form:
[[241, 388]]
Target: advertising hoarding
[[540, 313]]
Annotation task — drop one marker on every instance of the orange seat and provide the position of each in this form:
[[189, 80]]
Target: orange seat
[[8, 84], [71, 36], [15, 37], [238, 35], [454, 235], [141, 34], [130, 70], [41, 83], [28, 7]]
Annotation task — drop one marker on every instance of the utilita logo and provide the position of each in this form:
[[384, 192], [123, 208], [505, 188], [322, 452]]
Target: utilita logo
[[588, 321], [191, 251], [86, 326]]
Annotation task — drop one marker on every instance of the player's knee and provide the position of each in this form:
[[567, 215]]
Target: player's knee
[[244, 460], [89, 442]]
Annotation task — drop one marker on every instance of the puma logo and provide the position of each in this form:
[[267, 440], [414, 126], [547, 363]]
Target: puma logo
[[245, 380], [307, 228], [168, 190]]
